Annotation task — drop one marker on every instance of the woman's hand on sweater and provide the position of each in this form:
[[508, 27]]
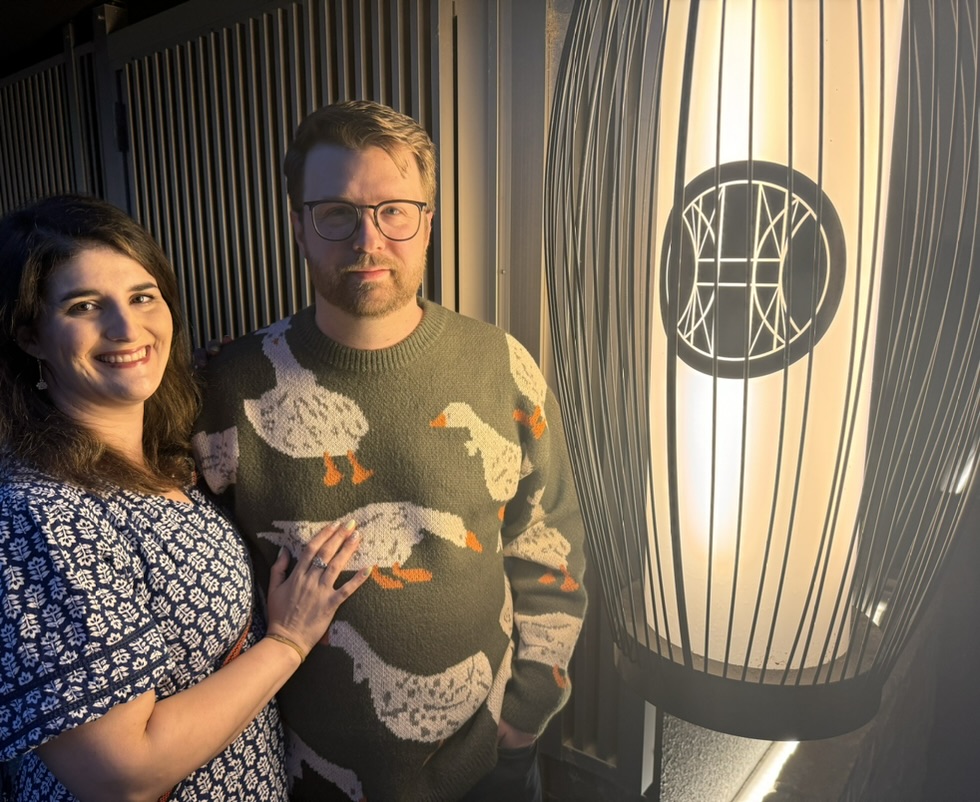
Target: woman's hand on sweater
[[302, 601], [139, 749]]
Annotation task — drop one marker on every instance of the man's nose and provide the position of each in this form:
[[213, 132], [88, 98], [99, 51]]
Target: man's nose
[[368, 237]]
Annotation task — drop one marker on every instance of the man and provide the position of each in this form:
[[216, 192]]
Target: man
[[438, 436]]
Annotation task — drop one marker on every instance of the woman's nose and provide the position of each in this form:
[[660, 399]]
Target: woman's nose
[[121, 324]]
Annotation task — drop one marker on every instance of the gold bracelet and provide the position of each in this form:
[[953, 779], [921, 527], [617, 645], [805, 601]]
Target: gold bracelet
[[288, 642]]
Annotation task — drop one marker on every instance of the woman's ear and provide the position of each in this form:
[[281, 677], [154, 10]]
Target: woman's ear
[[28, 342]]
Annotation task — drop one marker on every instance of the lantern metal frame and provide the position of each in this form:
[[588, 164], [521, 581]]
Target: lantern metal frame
[[608, 277]]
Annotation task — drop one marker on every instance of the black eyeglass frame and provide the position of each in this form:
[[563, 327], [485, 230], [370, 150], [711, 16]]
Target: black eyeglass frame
[[359, 210]]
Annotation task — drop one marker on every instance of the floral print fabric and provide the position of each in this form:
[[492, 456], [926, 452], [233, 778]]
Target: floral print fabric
[[105, 598]]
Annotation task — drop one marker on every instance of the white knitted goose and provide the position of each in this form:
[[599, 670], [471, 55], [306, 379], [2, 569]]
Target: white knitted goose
[[495, 699], [389, 531], [302, 419], [217, 457], [548, 639], [531, 384], [547, 546], [345, 779], [501, 458], [416, 707], [543, 545]]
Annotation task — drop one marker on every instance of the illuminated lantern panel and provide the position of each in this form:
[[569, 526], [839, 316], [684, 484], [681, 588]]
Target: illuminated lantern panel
[[763, 277], [767, 333]]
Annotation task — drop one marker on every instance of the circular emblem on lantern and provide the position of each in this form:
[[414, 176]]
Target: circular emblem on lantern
[[759, 271]]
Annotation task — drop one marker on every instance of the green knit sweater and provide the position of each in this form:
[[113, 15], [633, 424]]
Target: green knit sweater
[[448, 451]]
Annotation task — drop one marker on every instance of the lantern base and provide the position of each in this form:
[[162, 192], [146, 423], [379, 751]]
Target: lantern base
[[752, 707]]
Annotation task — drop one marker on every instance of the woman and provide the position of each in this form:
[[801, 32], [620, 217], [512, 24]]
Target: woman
[[131, 664]]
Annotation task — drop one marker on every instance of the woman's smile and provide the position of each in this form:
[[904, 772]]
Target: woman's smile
[[104, 336]]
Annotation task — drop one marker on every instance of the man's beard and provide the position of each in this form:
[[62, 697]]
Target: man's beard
[[370, 299]]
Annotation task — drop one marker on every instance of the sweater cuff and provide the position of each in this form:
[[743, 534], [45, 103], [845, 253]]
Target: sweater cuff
[[534, 695]]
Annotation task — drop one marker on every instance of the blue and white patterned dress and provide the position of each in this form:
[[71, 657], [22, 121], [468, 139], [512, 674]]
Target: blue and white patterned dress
[[104, 598]]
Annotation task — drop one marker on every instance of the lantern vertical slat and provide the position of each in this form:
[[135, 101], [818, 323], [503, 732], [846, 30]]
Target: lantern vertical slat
[[763, 287]]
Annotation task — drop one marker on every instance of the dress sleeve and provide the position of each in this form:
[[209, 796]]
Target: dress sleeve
[[76, 635], [543, 538]]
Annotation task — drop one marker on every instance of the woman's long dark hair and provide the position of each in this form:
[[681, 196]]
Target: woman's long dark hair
[[34, 241]]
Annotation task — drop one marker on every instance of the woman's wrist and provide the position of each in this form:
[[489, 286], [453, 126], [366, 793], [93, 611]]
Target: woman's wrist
[[288, 642]]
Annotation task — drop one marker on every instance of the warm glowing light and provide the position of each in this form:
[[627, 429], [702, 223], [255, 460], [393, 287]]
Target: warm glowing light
[[879, 613], [763, 779], [774, 262], [956, 476], [763, 225], [966, 474]]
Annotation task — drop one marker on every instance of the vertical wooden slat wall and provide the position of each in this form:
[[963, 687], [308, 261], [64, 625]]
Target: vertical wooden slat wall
[[49, 131], [210, 119]]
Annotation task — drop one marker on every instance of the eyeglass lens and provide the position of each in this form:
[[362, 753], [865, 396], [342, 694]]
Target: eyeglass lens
[[337, 220]]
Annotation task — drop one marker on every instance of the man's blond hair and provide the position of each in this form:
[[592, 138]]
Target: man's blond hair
[[356, 125]]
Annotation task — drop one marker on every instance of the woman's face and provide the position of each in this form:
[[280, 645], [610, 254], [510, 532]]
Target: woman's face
[[104, 335]]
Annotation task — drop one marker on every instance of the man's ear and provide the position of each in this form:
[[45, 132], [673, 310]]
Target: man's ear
[[296, 219], [28, 342]]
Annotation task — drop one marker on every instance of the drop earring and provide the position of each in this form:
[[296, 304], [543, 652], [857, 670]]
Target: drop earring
[[41, 383]]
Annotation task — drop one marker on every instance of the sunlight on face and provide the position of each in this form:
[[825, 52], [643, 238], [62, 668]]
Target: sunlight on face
[[104, 336], [367, 274]]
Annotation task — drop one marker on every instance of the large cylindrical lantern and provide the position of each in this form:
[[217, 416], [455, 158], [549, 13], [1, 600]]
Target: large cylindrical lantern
[[763, 269]]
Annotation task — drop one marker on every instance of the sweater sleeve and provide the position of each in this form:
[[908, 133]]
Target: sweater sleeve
[[543, 538], [215, 437]]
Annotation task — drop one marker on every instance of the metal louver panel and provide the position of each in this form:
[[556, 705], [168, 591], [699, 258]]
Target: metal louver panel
[[49, 132], [209, 122]]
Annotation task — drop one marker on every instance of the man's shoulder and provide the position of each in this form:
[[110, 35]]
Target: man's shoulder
[[459, 323], [243, 352], [485, 336], [232, 373]]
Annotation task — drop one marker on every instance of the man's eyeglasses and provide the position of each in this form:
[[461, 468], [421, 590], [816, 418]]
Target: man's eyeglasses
[[337, 220]]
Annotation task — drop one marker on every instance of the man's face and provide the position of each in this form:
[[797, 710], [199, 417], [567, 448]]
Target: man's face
[[365, 275]]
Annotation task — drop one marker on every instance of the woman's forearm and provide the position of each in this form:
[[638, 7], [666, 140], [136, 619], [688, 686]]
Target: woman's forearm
[[141, 749]]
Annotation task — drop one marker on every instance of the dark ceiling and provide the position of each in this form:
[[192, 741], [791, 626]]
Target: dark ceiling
[[32, 30]]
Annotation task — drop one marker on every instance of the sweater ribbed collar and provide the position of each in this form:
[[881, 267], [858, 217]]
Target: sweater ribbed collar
[[319, 345]]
